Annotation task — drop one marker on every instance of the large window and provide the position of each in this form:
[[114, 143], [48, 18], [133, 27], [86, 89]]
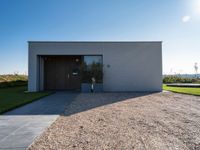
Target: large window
[[92, 68]]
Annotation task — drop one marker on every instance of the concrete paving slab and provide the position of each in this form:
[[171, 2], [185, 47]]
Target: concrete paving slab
[[19, 127]]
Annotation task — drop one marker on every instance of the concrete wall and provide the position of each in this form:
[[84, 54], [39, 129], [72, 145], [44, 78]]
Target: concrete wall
[[128, 66]]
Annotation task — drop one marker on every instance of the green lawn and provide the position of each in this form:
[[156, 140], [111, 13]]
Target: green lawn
[[16, 96], [184, 90]]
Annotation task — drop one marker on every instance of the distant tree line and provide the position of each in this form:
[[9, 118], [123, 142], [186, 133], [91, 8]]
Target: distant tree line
[[11, 80], [178, 79]]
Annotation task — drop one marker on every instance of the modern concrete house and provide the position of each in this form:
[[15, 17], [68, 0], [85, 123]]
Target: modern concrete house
[[114, 66]]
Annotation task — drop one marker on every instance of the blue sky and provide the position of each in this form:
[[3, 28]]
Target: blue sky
[[175, 22]]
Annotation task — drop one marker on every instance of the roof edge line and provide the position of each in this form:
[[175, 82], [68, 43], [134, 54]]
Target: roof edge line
[[94, 41]]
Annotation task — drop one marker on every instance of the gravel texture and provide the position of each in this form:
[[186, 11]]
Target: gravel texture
[[125, 121]]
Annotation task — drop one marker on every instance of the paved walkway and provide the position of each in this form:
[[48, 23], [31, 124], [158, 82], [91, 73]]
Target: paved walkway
[[19, 127]]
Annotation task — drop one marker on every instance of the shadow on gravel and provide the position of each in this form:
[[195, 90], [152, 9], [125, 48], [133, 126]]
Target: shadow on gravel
[[86, 101]]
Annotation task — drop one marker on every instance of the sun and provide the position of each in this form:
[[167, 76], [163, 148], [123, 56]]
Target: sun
[[197, 6]]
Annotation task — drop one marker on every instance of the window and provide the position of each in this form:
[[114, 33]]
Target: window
[[92, 68]]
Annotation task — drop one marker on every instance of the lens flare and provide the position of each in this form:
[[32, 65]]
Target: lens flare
[[186, 18]]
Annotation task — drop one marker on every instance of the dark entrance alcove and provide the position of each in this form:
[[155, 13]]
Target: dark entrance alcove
[[62, 72]]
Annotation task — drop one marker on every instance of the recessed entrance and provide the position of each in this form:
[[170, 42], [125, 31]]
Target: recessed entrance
[[62, 72]]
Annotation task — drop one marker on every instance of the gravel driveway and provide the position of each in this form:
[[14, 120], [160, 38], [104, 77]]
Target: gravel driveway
[[126, 121]]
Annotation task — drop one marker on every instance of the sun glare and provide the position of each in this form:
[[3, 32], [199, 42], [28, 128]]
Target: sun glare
[[197, 6]]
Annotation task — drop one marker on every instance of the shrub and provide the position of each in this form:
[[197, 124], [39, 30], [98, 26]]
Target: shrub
[[13, 83], [178, 79]]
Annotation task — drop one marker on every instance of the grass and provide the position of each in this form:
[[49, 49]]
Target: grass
[[183, 90], [14, 97]]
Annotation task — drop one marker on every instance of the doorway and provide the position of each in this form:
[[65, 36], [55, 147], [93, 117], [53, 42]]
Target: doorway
[[62, 72]]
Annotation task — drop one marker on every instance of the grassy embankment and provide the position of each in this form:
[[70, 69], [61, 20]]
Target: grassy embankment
[[13, 92]]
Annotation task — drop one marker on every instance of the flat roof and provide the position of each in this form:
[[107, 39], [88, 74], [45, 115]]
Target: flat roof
[[94, 41]]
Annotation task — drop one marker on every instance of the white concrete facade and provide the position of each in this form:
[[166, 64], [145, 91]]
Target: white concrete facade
[[127, 66]]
